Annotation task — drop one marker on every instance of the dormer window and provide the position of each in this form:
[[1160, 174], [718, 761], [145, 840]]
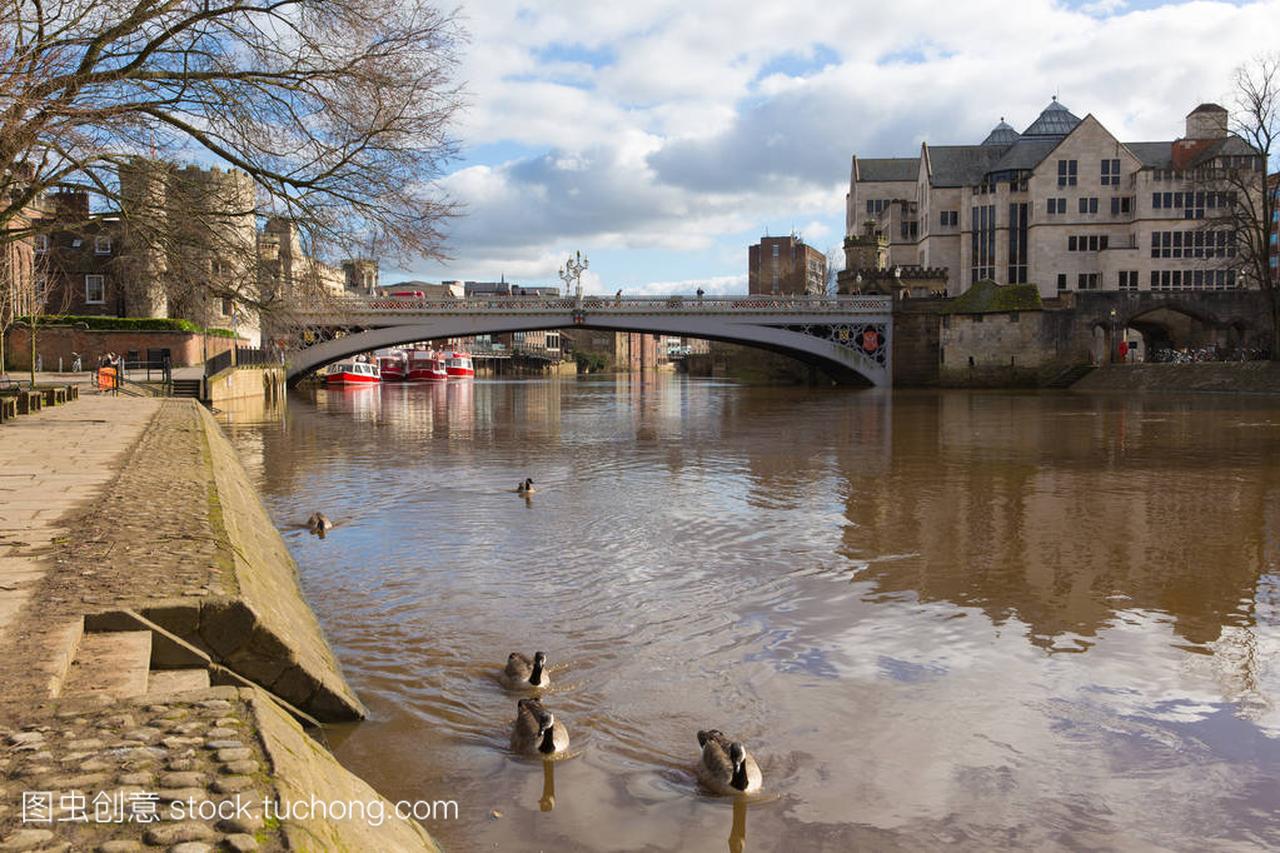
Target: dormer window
[[102, 245], [41, 243]]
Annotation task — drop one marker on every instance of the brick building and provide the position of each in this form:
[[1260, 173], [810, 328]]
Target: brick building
[[786, 265]]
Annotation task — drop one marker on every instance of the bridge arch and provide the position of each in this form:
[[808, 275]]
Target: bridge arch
[[855, 350]]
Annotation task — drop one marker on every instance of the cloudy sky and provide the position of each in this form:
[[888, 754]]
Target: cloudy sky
[[663, 137]]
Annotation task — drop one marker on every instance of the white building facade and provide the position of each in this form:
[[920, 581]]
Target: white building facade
[[1063, 205]]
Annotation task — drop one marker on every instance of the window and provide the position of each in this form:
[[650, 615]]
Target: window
[[41, 284], [1128, 279], [949, 218], [775, 250], [1111, 172], [77, 243], [875, 206], [982, 245], [95, 292], [41, 243], [1057, 205], [1071, 243], [102, 245], [1121, 204], [1017, 244], [228, 307], [1067, 173], [1087, 281], [1088, 205]]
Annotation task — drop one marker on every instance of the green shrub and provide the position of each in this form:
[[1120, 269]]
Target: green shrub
[[127, 324]]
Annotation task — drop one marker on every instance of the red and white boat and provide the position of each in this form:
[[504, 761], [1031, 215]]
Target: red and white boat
[[426, 366], [393, 365], [352, 373], [459, 366]]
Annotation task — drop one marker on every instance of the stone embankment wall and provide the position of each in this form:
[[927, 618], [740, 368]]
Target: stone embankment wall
[[266, 383], [258, 624], [1249, 377]]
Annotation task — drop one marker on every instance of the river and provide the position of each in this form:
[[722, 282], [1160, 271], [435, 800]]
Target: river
[[985, 619]]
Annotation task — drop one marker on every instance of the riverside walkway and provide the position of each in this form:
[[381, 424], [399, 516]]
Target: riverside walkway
[[52, 463]]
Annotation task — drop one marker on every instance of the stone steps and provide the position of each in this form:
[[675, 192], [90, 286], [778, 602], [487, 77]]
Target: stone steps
[[112, 663], [162, 681]]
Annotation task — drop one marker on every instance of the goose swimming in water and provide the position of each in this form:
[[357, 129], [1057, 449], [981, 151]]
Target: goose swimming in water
[[726, 766], [319, 524], [537, 731], [525, 488], [521, 672]]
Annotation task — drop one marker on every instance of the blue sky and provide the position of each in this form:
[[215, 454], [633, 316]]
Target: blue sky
[[663, 140]]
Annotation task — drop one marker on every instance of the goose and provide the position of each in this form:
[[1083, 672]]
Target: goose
[[525, 488], [726, 766], [537, 731], [523, 672], [319, 523]]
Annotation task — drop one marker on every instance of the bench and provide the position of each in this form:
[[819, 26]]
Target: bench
[[29, 401], [73, 392], [54, 395], [8, 408]]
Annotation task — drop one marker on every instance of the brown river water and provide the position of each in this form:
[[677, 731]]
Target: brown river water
[[977, 619]]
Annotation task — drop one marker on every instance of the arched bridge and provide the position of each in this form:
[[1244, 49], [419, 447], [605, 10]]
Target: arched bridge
[[850, 336]]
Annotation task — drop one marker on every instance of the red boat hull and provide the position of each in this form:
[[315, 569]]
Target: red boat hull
[[425, 375], [391, 370], [460, 366], [350, 379]]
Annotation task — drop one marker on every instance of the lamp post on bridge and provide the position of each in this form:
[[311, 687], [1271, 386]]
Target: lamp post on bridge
[[571, 273]]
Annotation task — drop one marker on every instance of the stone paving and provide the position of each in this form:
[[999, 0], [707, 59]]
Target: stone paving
[[51, 463], [184, 772]]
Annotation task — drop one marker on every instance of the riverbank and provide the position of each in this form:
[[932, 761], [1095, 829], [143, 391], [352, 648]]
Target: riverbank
[[1246, 377], [155, 646]]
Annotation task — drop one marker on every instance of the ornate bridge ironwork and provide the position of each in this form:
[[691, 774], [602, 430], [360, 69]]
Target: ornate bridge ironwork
[[848, 334]]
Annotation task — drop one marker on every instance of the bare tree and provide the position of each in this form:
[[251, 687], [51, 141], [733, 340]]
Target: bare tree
[[835, 265], [1248, 217], [337, 111]]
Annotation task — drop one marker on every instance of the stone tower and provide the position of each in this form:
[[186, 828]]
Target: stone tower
[[145, 220], [191, 243]]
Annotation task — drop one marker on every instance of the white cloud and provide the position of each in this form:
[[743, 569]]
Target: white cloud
[[673, 125]]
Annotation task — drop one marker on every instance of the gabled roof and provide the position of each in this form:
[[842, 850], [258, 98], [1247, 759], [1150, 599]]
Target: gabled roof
[[1054, 120], [961, 165], [888, 168]]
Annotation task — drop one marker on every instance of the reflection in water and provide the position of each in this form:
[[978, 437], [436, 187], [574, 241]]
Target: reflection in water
[[738, 831], [548, 800], [977, 619]]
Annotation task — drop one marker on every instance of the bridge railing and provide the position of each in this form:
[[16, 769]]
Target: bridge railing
[[628, 305]]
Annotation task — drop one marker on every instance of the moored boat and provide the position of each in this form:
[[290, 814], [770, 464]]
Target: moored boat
[[426, 365], [352, 373], [392, 365], [460, 366]]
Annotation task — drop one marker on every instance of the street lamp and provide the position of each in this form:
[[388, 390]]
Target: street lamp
[[1114, 346], [571, 273]]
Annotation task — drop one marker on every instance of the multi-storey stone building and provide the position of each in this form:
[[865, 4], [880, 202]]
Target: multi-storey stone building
[[786, 265], [1064, 205]]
